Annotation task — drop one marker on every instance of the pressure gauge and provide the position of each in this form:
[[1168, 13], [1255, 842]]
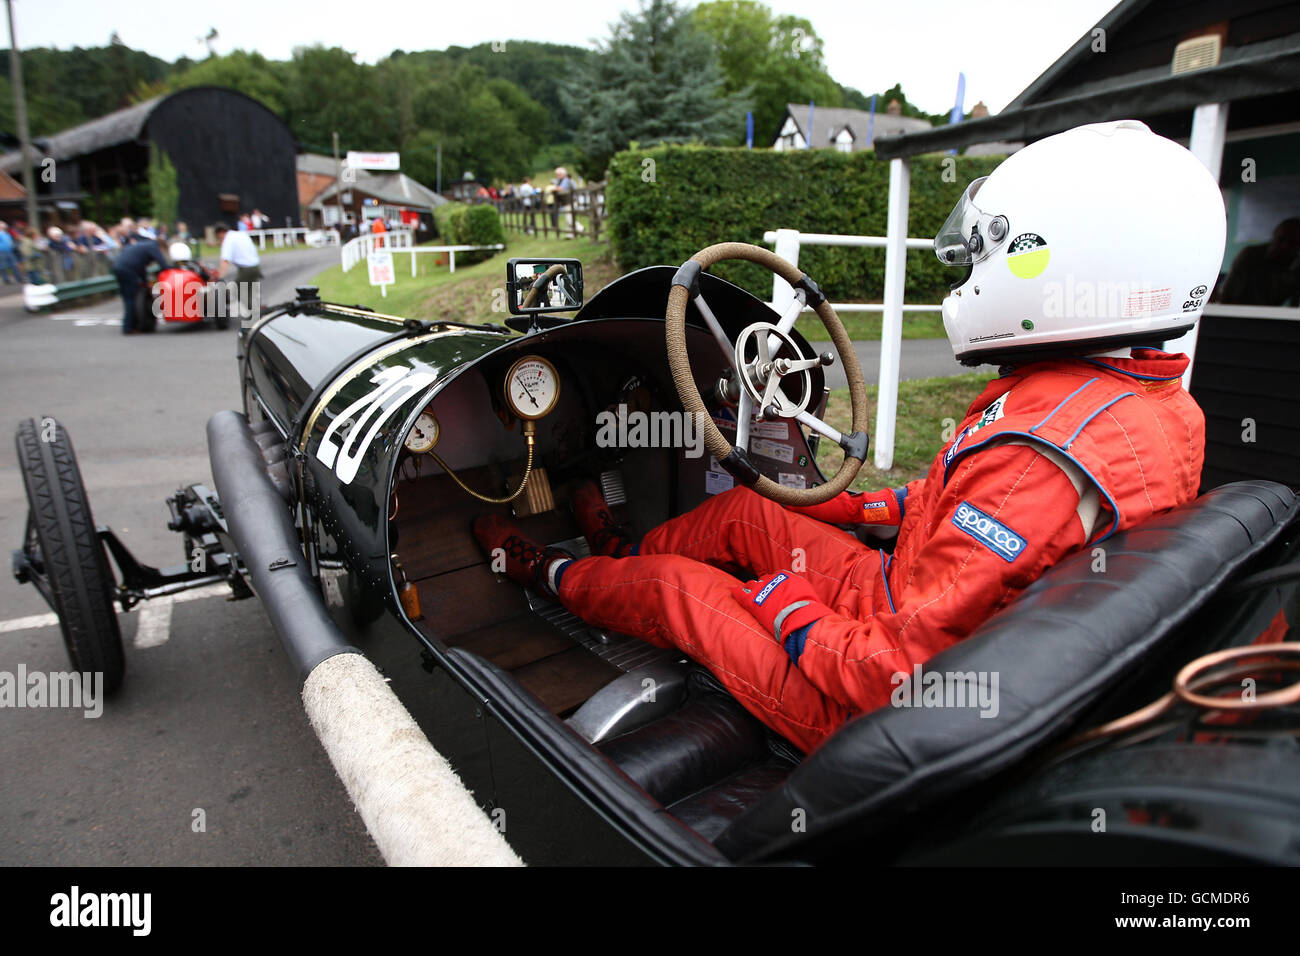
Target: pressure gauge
[[532, 387], [423, 434]]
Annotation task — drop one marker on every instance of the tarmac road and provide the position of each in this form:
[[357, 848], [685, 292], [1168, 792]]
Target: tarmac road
[[919, 358], [208, 718]]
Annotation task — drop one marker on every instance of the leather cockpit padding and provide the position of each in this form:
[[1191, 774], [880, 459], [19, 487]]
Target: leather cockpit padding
[[710, 811], [706, 740], [1056, 650]]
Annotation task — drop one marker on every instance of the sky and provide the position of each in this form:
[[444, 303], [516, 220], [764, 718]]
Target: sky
[[1001, 45]]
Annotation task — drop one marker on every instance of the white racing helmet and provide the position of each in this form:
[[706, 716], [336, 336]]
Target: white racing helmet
[[180, 252], [1099, 237]]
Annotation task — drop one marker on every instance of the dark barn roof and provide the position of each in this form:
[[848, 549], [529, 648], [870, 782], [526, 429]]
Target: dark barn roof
[[1260, 61], [220, 141], [124, 126]]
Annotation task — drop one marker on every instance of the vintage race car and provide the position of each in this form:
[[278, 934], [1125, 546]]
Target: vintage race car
[[345, 489], [187, 292]]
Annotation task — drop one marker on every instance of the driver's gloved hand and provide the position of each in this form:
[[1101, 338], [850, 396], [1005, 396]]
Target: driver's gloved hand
[[785, 605], [858, 507]]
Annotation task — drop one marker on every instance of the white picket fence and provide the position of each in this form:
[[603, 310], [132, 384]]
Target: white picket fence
[[788, 242], [358, 249], [449, 250], [294, 236]]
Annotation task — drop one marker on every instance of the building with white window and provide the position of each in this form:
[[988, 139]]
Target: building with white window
[[846, 130]]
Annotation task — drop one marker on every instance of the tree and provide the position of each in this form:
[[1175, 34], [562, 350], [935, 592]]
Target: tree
[[655, 80], [539, 69], [862, 101], [250, 73], [487, 126], [327, 90], [164, 194], [67, 87], [778, 60]]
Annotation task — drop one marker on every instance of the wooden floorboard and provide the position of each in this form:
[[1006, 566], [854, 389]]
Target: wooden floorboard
[[565, 680], [465, 605], [466, 600], [515, 643], [433, 525]]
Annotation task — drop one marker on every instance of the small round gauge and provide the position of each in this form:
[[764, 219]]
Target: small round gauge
[[423, 434], [532, 387]]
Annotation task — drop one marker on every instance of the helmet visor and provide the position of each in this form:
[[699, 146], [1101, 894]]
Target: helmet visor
[[970, 234]]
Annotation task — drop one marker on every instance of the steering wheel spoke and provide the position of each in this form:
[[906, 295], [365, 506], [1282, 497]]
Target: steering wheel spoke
[[744, 413]]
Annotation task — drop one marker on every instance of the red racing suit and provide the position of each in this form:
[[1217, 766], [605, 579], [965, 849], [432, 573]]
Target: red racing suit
[[1049, 458]]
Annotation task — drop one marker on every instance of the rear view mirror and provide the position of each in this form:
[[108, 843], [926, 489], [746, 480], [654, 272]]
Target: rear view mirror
[[543, 285]]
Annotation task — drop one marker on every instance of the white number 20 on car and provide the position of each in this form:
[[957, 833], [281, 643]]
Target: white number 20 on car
[[394, 387]]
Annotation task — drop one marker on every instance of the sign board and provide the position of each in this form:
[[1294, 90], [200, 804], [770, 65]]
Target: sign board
[[389, 161], [382, 272]]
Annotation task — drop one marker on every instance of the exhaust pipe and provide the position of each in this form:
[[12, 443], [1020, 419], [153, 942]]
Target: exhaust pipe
[[259, 524], [417, 809]]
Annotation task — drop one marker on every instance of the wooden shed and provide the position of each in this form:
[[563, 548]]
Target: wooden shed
[[231, 155]]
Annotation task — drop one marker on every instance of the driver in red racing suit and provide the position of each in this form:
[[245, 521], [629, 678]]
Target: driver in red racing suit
[[1056, 454]]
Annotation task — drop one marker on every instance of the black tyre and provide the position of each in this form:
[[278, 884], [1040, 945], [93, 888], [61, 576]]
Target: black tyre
[[145, 320], [62, 530]]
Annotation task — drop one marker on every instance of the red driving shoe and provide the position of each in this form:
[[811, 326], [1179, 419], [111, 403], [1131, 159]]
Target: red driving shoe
[[524, 561], [596, 521]]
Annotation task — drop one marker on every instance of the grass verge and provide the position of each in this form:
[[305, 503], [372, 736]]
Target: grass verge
[[923, 406], [865, 326], [475, 293]]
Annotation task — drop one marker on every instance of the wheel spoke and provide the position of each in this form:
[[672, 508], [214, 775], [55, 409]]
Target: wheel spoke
[[715, 327], [819, 426], [773, 389], [791, 366], [788, 319], [744, 411]]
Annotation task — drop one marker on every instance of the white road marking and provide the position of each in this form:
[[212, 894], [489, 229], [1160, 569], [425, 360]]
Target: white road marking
[[155, 616], [85, 320], [155, 624], [28, 623]]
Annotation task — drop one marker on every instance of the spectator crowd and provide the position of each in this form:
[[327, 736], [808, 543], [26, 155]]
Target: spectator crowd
[[28, 255], [86, 249]]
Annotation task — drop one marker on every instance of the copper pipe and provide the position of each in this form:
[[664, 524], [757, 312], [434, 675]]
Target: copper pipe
[[1191, 679], [1278, 698]]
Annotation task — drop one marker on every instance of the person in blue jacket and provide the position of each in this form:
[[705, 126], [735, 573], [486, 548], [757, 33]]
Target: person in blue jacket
[[129, 269]]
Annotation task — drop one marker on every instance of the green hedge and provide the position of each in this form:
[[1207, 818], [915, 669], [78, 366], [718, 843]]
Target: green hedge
[[694, 196], [459, 224]]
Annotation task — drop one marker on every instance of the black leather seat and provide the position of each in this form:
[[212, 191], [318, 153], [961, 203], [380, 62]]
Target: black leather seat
[[707, 761], [1057, 649]]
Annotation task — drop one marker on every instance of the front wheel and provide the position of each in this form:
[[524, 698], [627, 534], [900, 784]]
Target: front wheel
[[64, 548]]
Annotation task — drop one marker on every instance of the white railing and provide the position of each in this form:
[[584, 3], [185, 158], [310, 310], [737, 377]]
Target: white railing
[[356, 250], [451, 252], [788, 242], [294, 236]]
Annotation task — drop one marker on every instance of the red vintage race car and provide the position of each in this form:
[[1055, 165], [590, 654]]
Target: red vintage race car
[[187, 292]]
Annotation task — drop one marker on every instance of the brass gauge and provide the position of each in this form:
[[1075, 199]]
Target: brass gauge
[[423, 434], [532, 387]]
